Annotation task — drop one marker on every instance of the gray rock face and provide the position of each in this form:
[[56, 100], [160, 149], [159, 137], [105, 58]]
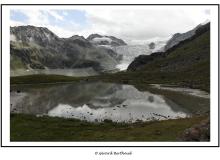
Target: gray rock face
[[105, 40], [38, 48], [141, 60], [199, 132], [151, 45], [30, 34]]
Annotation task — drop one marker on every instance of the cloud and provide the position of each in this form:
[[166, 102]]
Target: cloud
[[132, 25], [65, 13], [41, 18], [16, 23], [61, 32], [55, 15], [143, 24], [35, 17]]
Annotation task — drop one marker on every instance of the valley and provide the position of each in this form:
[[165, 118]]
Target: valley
[[101, 83]]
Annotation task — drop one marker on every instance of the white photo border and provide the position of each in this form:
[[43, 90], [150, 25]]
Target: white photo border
[[5, 77]]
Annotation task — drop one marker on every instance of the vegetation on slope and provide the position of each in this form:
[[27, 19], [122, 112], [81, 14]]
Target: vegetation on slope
[[16, 63], [187, 63]]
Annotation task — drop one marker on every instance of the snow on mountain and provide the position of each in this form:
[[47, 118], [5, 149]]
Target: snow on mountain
[[159, 46], [13, 38], [101, 39], [129, 52], [105, 40]]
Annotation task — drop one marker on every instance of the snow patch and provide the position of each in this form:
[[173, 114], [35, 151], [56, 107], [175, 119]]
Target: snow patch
[[97, 39], [159, 46], [13, 38], [48, 36]]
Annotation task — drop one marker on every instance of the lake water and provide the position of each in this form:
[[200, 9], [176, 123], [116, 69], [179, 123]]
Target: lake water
[[93, 101]]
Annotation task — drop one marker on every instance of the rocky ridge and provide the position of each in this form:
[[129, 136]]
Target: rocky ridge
[[178, 37], [38, 48], [179, 56]]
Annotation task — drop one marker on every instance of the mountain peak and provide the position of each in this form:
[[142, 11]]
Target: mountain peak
[[32, 34], [92, 36], [178, 37], [77, 37], [39, 48]]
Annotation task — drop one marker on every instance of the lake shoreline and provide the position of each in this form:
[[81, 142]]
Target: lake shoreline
[[119, 77], [29, 134]]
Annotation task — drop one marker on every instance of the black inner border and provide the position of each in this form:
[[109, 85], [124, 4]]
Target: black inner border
[[110, 5]]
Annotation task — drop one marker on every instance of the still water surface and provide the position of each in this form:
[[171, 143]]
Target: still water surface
[[93, 101]]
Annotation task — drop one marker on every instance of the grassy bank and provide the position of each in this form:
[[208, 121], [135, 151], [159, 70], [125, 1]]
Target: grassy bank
[[31, 128], [134, 78], [41, 78]]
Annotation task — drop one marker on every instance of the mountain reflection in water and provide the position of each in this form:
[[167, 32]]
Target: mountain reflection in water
[[93, 101]]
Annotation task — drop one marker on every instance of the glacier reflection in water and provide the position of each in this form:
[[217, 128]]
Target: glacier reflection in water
[[94, 101]]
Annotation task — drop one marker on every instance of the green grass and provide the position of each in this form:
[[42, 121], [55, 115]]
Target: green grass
[[31, 128], [183, 79], [37, 79]]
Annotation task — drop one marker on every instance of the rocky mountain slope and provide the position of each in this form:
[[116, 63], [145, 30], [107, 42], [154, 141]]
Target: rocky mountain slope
[[38, 48], [178, 37], [191, 58]]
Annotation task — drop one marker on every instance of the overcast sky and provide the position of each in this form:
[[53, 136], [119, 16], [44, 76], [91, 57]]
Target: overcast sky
[[133, 25]]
